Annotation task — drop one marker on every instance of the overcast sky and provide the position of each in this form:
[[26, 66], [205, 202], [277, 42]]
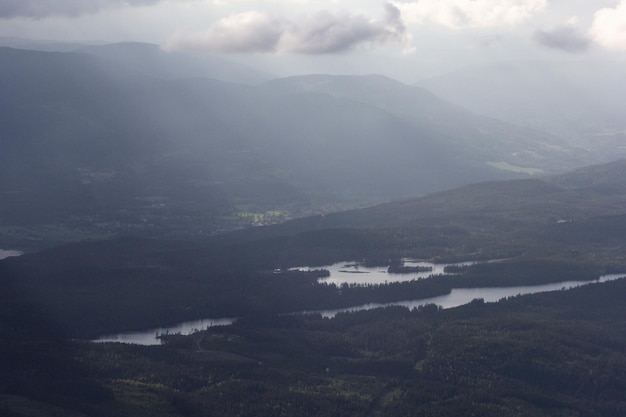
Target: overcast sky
[[402, 38]]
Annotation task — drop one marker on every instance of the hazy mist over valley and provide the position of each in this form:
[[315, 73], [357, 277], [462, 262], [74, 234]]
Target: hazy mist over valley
[[332, 208]]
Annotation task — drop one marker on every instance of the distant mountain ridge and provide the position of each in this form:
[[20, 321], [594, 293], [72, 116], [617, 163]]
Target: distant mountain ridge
[[94, 142], [581, 102], [456, 126], [151, 60]]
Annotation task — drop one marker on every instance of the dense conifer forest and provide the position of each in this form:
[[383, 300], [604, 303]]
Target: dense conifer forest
[[549, 354]]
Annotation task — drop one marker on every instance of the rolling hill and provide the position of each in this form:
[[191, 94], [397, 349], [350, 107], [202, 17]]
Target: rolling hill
[[550, 229], [498, 210]]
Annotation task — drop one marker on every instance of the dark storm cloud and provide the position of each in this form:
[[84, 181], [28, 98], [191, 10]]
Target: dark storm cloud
[[44, 8], [564, 38]]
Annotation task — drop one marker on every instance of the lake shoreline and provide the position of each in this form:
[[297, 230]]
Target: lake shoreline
[[8, 253], [456, 298]]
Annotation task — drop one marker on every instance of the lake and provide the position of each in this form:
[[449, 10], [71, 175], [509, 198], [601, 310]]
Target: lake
[[356, 273], [461, 296], [149, 337], [457, 297], [8, 253]]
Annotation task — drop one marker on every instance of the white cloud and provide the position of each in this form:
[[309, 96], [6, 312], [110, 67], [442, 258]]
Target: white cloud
[[227, 2], [320, 33], [609, 27], [460, 14], [245, 32]]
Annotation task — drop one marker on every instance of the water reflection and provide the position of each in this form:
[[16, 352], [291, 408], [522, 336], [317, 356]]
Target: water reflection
[[8, 253], [457, 297], [461, 296], [150, 337], [357, 273]]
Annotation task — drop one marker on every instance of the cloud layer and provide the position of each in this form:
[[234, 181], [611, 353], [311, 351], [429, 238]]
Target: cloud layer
[[565, 38], [321, 33], [45, 8], [459, 14], [609, 27]]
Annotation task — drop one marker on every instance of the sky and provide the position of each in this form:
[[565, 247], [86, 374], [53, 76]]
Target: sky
[[407, 39]]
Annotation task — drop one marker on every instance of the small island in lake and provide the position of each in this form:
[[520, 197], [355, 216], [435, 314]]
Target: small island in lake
[[398, 267]]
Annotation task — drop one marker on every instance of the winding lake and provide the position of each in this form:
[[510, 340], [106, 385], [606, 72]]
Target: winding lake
[[149, 337], [457, 297], [461, 296], [8, 253], [356, 273]]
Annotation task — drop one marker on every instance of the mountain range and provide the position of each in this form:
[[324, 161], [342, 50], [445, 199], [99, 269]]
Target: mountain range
[[126, 138], [578, 101]]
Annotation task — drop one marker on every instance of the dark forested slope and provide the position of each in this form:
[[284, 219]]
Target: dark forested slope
[[547, 231], [559, 353]]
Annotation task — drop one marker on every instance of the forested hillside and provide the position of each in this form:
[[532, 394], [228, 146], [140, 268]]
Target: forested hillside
[[560, 228], [560, 353]]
